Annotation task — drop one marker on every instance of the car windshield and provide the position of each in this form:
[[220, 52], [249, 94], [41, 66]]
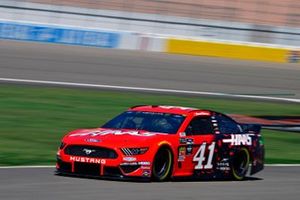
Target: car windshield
[[147, 121]]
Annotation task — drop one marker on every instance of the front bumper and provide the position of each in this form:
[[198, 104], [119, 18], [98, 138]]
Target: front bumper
[[120, 168], [122, 178]]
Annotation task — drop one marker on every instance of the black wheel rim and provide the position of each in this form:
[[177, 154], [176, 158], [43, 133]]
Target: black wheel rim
[[240, 166], [241, 163], [161, 163]]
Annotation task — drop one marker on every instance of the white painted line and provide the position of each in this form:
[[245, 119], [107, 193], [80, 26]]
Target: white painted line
[[27, 166], [282, 165], [59, 83], [53, 166]]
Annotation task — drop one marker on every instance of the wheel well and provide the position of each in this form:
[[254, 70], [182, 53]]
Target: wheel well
[[249, 152], [165, 146], [237, 150]]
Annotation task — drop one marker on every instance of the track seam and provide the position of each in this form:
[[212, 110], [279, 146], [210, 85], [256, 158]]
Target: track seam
[[27, 166]]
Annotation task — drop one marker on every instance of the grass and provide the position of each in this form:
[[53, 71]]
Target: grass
[[282, 147], [33, 119]]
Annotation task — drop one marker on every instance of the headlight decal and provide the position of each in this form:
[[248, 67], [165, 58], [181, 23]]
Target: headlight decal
[[134, 151]]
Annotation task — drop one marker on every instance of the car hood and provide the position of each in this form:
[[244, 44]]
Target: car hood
[[113, 137]]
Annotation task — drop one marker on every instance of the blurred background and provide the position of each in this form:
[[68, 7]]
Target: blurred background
[[72, 64], [266, 21], [245, 47]]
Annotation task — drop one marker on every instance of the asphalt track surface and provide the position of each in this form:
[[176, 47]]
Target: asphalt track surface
[[128, 68], [274, 183], [47, 62]]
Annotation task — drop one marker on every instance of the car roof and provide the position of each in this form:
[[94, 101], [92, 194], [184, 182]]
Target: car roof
[[165, 109]]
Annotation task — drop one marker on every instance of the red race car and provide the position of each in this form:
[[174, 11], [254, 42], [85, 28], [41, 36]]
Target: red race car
[[163, 142]]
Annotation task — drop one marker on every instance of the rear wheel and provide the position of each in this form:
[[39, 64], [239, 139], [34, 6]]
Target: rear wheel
[[162, 165], [240, 164]]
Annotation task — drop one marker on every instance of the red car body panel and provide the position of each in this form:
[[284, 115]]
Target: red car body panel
[[214, 162]]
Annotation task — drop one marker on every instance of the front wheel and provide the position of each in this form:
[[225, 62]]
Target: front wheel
[[162, 165], [240, 164]]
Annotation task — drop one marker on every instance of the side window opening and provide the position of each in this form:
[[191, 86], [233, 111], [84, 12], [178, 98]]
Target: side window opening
[[227, 125], [200, 125]]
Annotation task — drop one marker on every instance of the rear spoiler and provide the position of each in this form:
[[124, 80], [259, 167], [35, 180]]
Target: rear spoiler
[[251, 128]]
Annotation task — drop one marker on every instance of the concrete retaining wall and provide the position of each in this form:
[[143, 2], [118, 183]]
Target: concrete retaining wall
[[134, 41], [232, 50]]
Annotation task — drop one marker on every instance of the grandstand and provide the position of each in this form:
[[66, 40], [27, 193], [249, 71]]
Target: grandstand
[[258, 12]]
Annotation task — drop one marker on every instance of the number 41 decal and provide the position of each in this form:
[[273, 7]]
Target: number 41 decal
[[200, 157]]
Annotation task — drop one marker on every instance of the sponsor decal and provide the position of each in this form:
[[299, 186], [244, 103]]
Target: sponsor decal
[[87, 160], [190, 141], [129, 159], [181, 153], [189, 150], [182, 134], [61, 35], [146, 173], [181, 158], [186, 141], [176, 107], [129, 163], [239, 139], [142, 163], [202, 113], [112, 132], [182, 140], [146, 163], [294, 56], [92, 140], [145, 167], [223, 165]]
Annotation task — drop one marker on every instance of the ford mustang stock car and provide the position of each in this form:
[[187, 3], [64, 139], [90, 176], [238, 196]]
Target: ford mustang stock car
[[164, 142]]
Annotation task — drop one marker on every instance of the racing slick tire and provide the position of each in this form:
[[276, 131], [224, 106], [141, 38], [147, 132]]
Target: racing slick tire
[[240, 164], [162, 165]]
